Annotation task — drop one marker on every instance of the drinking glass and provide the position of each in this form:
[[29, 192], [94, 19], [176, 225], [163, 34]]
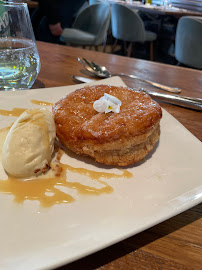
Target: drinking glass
[[19, 58]]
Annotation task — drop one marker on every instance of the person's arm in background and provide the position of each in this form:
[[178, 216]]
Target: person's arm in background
[[59, 13], [56, 29], [52, 10]]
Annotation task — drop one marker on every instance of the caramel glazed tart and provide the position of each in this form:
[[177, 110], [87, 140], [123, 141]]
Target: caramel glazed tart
[[114, 138]]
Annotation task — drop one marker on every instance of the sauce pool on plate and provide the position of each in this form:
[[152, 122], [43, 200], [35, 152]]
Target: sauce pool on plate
[[44, 188]]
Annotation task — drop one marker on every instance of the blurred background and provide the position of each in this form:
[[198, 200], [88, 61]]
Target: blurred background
[[159, 30]]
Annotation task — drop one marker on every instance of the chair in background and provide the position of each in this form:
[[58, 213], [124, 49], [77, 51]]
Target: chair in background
[[128, 26], [92, 2], [188, 41], [90, 27]]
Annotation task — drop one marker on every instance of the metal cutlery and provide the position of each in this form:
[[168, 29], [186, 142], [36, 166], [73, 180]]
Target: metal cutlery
[[102, 72], [183, 101]]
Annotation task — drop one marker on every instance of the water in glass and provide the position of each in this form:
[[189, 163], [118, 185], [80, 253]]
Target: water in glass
[[19, 59]]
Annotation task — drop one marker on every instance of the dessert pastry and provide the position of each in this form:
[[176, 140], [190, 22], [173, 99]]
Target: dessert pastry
[[121, 138]]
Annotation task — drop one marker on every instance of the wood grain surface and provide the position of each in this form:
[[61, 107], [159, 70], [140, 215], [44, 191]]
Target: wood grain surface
[[177, 242]]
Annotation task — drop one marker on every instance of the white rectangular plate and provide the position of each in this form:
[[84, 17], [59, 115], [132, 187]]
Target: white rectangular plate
[[167, 183]]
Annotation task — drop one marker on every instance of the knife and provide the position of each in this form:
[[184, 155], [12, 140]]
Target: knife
[[183, 101]]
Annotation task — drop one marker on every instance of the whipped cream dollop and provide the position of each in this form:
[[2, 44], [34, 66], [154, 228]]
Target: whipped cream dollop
[[107, 103], [29, 145]]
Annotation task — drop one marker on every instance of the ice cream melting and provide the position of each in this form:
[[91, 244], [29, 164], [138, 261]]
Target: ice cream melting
[[29, 145]]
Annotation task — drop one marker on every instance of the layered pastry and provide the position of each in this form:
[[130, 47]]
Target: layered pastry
[[120, 137]]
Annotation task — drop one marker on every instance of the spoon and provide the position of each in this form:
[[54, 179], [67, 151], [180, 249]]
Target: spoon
[[102, 72]]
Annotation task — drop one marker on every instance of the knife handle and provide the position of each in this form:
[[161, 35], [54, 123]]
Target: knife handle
[[187, 102]]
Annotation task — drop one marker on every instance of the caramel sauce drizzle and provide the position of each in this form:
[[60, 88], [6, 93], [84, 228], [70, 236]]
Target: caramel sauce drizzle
[[41, 103], [14, 112], [37, 189], [18, 111]]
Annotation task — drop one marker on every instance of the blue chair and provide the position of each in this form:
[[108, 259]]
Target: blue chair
[[188, 41], [128, 26], [92, 2], [90, 27]]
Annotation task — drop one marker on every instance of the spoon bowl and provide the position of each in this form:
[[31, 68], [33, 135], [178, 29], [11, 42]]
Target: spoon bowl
[[102, 72], [97, 70]]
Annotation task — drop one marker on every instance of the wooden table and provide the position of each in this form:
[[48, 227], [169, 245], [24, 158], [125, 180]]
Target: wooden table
[[160, 10], [177, 242]]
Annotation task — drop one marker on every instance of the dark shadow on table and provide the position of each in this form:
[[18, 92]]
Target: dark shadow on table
[[134, 243], [38, 84]]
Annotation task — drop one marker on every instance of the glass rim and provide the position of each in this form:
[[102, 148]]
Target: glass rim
[[12, 3]]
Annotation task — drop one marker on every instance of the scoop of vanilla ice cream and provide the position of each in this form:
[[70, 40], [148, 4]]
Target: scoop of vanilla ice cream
[[29, 144]]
